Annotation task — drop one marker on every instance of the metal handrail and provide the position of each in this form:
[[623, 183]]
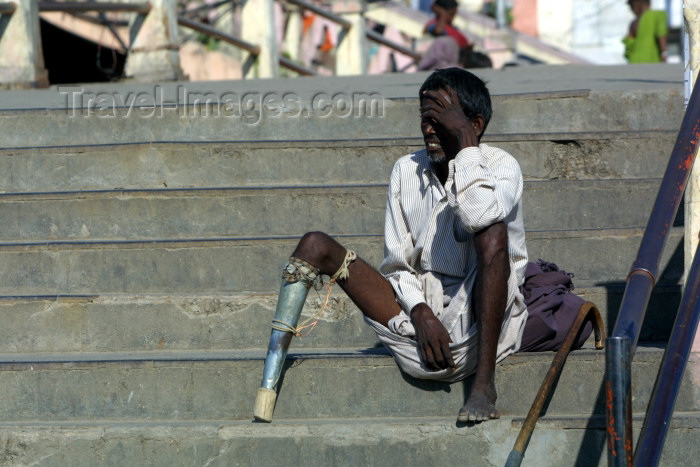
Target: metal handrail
[[668, 380], [623, 341], [376, 37], [300, 69], [251, 48], [102, 7], [7, 8], [213, 32], [345, 24]]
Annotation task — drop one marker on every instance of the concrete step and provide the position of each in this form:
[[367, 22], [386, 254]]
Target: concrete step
[[390, 441], [546, 155], [193, 322], [530, 80], [348, 209], [303, 111], [321, 383], [213, 265]]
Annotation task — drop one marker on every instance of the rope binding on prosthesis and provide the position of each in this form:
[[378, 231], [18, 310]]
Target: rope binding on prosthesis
[[300, 270]]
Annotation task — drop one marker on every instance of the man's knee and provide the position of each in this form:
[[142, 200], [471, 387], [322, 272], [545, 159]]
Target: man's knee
[[491, 244], [314, 247], [314, 239]]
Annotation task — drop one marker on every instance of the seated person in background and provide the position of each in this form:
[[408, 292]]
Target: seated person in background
[[646, 40], [441, 53], [441, 25]]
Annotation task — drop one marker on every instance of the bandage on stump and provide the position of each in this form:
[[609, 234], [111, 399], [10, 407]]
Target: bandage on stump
[[297, 278]]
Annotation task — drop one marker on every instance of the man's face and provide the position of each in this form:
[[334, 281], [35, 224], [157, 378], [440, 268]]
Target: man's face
[[432, 143]]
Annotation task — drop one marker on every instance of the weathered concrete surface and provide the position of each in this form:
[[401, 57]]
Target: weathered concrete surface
[[304, 109], [119, 323], [691, 16], [314, 119], [21, 57], [216, 265], [316, 384], [557, 442], [257, 26], [176, 165], [530, 79], [169, 327], [232, 211], [153, 52]]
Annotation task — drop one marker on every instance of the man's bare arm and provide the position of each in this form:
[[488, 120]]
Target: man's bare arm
[[489, 299]]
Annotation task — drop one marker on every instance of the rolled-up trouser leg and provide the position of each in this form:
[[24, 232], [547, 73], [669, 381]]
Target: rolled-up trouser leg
[[297, 279]]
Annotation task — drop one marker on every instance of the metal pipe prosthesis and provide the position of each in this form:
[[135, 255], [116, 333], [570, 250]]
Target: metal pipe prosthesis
[[291, 301]]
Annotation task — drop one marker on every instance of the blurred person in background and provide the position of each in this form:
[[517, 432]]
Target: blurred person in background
[[646, 40], [448, 39]]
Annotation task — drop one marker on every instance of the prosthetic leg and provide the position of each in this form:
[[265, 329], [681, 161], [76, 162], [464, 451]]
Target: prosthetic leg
[[297, 277]]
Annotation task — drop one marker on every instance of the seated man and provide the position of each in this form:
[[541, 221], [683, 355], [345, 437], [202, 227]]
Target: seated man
[[445, 12], [445, 302]]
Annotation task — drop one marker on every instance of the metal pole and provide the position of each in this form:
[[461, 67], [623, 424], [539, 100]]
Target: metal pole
[[668, 380], [618, 401], [501, 13]]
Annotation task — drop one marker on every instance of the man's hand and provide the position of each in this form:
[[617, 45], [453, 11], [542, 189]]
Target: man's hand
[[433, 339], [443, 111]]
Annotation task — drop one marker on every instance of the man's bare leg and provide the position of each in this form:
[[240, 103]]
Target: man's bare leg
[[489, 304], [368, 289]]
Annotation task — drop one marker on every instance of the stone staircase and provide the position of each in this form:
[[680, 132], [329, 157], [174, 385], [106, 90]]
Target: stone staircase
[[140, 261]]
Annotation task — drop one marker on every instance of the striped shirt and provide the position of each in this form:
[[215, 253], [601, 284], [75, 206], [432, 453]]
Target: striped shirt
[[430, 227]]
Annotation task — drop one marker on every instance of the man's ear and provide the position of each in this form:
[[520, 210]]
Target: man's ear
[[479, 124]]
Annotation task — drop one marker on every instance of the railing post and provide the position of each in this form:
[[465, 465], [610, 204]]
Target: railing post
[[618, 401], [668, 380], [351, 54], [21, 58], [154, 51], [691, 13], [258, 27], [292, 38]]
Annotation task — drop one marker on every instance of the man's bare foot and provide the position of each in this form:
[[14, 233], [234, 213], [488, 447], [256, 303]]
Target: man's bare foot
[[480, 406]]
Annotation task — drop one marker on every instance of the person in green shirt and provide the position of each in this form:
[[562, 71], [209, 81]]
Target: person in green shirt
[[646, 40]]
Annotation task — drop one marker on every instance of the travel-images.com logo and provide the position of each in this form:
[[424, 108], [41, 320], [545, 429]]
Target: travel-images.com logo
[[249, 107]]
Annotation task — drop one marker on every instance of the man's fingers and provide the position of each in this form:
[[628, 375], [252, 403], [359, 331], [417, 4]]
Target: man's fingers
[[442, 354], [423, 355], [429, 107], [446, 361], [436, 97], [429, 358], [452, 96], [449, 361]]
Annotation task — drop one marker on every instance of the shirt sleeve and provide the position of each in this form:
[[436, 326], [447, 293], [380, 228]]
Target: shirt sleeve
[[398, 250], [482, 194], [661, 24]]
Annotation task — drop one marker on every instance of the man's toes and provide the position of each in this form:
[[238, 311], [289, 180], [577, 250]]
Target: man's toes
[[476, 415]]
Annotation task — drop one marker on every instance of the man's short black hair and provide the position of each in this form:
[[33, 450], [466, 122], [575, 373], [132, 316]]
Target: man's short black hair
[[473, 95], [446, 4]]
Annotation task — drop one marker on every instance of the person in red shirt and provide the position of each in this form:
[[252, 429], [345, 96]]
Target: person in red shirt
[[441, 25]]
